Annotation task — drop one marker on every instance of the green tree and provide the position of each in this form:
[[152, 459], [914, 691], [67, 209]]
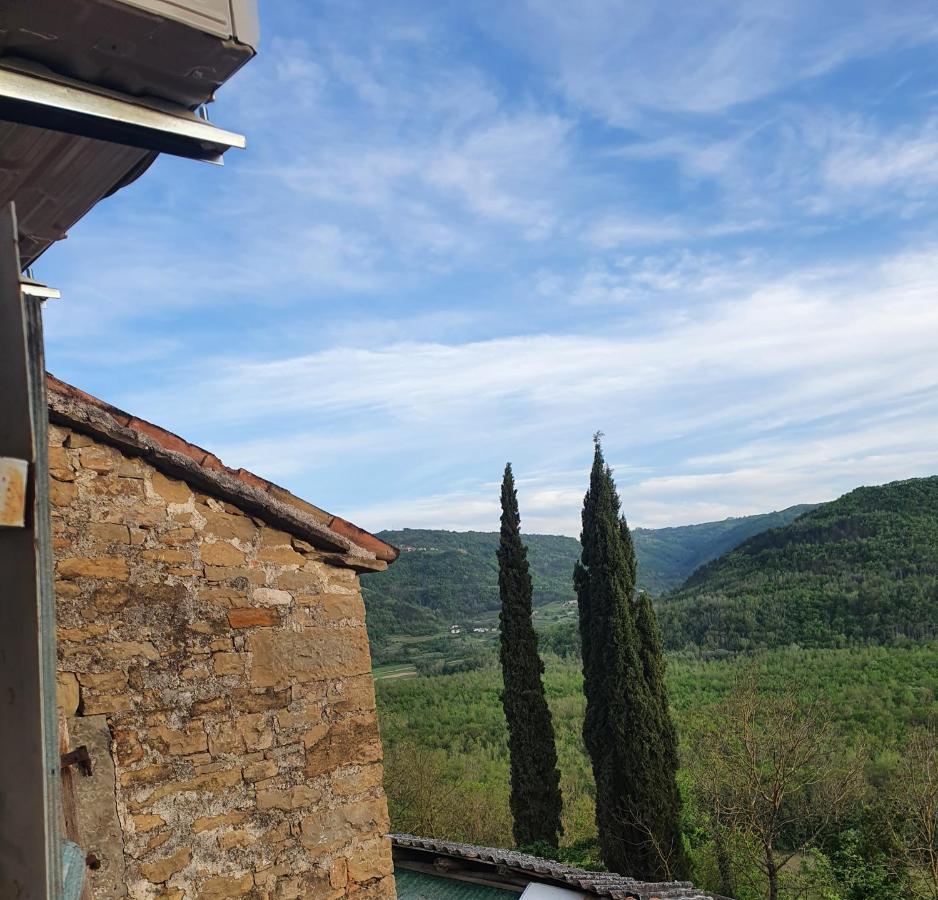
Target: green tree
[[621, 724], [664, 739], [535, 799]]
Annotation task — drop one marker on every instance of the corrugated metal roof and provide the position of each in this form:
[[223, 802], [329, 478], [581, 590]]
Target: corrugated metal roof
[[419, 886]]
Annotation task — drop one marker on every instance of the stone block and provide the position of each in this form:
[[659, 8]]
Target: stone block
[[352, 782], [220, 887], [369, 860], [328, 829], [349, 742], [246, 617], [312, 654], [271, 597], [237, 838], [75, 440], [210, 823], [235, 574], [109, 532], [67, 692], [146, 822], [299, 797], [104, 681], [228, 663], [221, 553], [161, 870], [258, 771], [282, 556], [167, 555], [255, 729], [227, 526], [99, 458], [170, 489], [176, 536], [180, 742], [105, 567]]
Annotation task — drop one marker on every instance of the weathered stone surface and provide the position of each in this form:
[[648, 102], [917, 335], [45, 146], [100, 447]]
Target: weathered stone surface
[[258, 771], [223, 662], [308, 655], [226, 526], [371, 860], [298, 797], [67, 692], [359, 780], [284, 556], [171, 490], [181, 742], [221, 553], [109, 567], [161, 870], [74, 440], [228, 663], [222, 886], [144, 823], [349, 742], [109, 532], [247, 617], [210, 823], [328, 829], [167, 555], [99, 459], [271, 597]]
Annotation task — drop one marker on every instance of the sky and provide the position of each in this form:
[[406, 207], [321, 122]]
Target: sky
[[466, 233]]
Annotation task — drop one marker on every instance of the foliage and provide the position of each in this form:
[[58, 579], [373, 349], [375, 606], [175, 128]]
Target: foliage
[[768, 772], [860, 569], [667, 556], [914, 808], [636, 800], [444, 577], [447, 735], [535, 782]]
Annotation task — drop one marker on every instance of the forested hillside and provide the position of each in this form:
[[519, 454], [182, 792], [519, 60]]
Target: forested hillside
[[861, 569], [444, 577], [666, 556]]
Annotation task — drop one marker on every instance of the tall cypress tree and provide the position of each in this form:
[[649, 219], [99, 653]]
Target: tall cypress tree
[[535, 781], [668, 798], [622, 724]]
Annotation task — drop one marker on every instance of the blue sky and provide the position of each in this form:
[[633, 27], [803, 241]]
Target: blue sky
[[470, 232]]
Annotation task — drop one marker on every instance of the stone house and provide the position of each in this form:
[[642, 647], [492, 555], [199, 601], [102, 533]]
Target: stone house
[[213, 658]]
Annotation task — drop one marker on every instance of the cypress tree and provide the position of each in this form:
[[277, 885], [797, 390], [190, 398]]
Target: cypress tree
[[622, 724], [668, 797], [535, 781]]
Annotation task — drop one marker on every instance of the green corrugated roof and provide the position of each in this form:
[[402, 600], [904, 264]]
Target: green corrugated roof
[[418, 886]]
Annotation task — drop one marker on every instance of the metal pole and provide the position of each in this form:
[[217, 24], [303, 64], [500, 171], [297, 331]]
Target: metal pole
[[30, 847]]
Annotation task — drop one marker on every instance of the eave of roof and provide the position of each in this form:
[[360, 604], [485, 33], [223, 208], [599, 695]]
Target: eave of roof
[[534, 868], [345, 543]]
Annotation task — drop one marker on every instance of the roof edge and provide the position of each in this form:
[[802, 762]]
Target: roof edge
[[345, 543], [535, 868]]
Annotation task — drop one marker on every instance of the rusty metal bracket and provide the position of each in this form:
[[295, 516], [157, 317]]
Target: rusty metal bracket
[[78, 757]]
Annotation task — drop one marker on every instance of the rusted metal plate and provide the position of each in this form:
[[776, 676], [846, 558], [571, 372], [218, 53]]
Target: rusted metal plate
[[13, 474]]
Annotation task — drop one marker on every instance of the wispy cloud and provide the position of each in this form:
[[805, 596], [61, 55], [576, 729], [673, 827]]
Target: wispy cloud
[[462, 234]]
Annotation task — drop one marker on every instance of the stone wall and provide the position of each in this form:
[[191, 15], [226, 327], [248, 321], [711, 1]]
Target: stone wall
[[229, 663]]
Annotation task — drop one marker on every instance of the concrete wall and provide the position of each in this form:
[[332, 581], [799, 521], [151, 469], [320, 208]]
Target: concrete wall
[[229, 665]]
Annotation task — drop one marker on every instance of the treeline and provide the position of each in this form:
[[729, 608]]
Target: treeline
[[862, 569], [444, 577], [447, 762]]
